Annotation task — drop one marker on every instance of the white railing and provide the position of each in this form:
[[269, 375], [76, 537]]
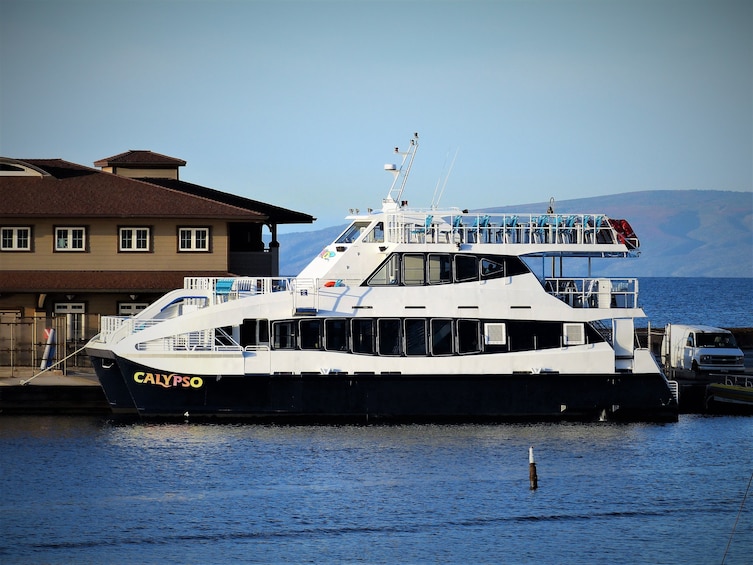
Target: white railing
[[594, 292], [231, 288], [420, 226], [674, 388]]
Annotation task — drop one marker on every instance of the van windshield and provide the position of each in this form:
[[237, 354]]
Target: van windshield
[[715, 340]]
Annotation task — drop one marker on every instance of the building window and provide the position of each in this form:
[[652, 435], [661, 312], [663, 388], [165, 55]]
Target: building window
[[74, 314], [193, 239], [134, 239], [15, 239], [70, 239], [131, 308]]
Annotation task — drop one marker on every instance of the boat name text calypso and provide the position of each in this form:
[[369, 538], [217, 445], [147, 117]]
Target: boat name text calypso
[[167, 381]]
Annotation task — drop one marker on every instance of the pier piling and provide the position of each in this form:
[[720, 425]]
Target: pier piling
[[532, 476]]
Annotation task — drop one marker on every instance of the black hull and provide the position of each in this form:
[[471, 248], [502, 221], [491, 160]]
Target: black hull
[[114, 386], [394, 397]]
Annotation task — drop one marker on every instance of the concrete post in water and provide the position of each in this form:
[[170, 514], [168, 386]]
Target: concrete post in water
[[532, 476]]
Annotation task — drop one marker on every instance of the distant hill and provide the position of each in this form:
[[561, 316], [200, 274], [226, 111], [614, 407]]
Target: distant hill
[[683, 233]]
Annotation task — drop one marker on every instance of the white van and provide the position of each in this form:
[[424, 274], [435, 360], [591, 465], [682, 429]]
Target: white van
[[700, 349]]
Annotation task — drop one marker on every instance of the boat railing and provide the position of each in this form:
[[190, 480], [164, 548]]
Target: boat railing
[[421, 226], [114, 327], [231, 288], [738, 380], [109, 326], [594, 292]]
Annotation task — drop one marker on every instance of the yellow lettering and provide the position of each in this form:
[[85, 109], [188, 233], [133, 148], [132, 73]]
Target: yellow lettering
[[167, 381]]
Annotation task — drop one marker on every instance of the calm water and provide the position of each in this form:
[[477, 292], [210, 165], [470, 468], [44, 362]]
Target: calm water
[[723, 302], [86, 490], [80, 490]]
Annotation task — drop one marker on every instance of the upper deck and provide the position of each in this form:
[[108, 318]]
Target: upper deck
[[529, 234]]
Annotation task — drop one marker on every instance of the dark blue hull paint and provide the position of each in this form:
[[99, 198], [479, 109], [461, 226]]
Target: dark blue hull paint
[[391, 397]]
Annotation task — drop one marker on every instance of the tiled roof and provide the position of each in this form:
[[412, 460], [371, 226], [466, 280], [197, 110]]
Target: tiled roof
[[73, 190], [140, 157], [98, 281]]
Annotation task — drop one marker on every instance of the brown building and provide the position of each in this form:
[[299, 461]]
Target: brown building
[[78, 242]]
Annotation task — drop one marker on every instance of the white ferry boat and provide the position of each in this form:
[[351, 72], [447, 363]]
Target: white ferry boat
[[409, 315]]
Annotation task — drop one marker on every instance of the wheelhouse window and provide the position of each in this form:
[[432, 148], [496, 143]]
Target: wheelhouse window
[[193, 239], [15, 238], [134, 239], [376, 235], [70, 239], [353, 232]]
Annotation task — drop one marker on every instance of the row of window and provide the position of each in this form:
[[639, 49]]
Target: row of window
[[415, 336], [411, 269], [130, 238]]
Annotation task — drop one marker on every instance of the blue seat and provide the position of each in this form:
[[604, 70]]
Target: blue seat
[[223, 286], [457, 224], [426, 228]]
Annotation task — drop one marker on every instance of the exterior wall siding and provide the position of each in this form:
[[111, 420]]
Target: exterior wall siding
[[102, 248]]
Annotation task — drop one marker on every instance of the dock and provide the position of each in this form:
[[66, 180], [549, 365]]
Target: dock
[[51, 393]]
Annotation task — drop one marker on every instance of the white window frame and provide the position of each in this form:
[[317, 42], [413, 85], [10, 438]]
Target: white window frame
[[69, 238], [75, 318], [134, 239], [15, 233], [194, 232]]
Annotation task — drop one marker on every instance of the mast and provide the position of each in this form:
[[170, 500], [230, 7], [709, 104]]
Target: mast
[[401, 174]]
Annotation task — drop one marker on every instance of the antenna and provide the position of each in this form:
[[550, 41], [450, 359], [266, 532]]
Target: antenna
[[395, 194], [436, 199]]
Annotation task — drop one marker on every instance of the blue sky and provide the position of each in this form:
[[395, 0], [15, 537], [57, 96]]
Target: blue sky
[[301, 103]]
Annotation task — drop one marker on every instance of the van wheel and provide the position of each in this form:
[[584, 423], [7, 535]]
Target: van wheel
[[696, 370]]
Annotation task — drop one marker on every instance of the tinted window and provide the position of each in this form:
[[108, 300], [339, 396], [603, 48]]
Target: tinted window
[[389, 337], [415, 337], [362, 335], [441, 337], [336, 335], [440, 270], [466, 268]]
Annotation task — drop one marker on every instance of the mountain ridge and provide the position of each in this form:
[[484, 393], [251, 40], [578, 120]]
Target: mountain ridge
[[683, 233]]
